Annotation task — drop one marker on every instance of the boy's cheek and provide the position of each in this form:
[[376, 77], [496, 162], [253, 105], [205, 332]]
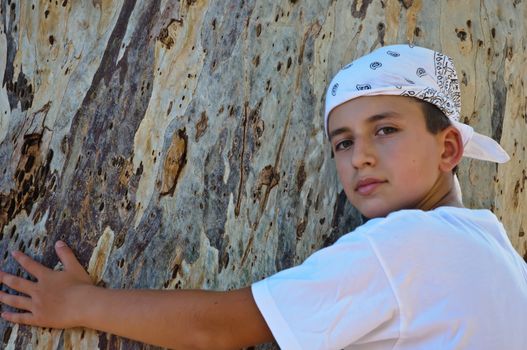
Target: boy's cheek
[[345, 174]]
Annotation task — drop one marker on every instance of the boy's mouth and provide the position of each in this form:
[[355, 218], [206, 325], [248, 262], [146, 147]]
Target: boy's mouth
[[368, 185]]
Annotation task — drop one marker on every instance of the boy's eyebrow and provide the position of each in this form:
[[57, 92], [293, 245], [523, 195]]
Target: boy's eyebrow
[[337, 132], [371, 119]]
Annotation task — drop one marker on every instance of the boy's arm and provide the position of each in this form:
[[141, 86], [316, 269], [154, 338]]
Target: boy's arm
[[189, 319]]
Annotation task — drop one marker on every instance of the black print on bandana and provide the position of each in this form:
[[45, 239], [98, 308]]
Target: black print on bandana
[[393, 53], [398, 86], [347, 66], [448, 85], [420, 72], [436, 98], [409, 81], [363, 87], [334, 89], [375, 65]]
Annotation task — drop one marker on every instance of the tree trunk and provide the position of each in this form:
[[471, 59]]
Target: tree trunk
[[180, 144]]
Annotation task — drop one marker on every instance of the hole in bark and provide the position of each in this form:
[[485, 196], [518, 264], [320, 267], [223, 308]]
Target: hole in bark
[[462, 35]]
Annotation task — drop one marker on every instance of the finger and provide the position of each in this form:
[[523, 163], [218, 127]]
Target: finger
[[16, 301], [33, 267], [16, 283], [67, 257], [19, 317]]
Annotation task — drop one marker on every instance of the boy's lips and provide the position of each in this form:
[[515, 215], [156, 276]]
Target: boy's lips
[[368, 185]]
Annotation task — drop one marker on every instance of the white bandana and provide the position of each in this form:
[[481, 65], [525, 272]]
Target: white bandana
[[408, 70]]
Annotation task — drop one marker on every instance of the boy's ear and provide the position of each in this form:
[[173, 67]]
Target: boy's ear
[[452, 149]]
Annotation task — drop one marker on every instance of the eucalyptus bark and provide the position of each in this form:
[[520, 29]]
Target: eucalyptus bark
[[180, 144]]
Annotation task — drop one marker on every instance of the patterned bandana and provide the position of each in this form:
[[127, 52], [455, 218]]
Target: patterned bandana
[[408, 70]]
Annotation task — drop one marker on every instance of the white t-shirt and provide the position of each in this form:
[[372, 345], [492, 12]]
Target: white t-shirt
[[442, 279]]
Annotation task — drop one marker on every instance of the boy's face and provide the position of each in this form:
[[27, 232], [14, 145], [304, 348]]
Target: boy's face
[[386, 159]]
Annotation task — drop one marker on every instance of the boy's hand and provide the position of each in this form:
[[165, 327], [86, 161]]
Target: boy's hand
[[185, 319], [55, 299]]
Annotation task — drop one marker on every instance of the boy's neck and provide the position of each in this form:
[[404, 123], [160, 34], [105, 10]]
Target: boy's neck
[[444, 192]]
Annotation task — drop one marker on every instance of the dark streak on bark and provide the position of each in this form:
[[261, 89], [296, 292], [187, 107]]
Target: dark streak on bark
[[103, 169], [19, 90], [381, 30], [109, 341], [345, 219], [269, 177], [247, 250], [300, 175], [407, 3], [338, 210], [498, 105], [109, 63], [361, 11], [136, 275], [244, 138], [11, 43]]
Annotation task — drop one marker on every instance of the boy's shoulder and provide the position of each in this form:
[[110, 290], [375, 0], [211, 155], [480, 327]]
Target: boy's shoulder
[[415, 218], [406, 229]]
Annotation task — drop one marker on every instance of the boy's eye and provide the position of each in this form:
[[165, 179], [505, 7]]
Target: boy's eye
[[343, 145], [386, 130]]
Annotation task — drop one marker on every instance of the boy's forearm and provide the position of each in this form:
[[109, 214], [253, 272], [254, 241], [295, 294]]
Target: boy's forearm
[[189, 319]]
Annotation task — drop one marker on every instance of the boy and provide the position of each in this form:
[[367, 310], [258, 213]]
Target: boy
[[423, 273]]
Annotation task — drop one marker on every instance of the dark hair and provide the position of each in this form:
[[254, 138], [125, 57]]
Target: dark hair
[[436, 120]]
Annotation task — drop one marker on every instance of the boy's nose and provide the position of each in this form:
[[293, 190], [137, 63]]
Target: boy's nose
[[363, 154]]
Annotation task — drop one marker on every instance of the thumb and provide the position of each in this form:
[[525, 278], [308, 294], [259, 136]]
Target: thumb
[[67, 257]]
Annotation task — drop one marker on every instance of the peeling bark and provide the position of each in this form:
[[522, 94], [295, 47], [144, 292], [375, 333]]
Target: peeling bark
[[180, 144]]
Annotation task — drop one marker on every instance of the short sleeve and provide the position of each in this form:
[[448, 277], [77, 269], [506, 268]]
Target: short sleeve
[[339, 296]]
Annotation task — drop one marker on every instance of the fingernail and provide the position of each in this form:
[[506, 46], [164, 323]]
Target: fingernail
[[60, 244]]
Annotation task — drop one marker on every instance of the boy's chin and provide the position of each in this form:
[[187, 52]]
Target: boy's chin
[[379, 207], [372, 214], [377, 212]]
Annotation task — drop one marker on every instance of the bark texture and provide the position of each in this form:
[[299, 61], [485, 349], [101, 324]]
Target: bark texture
[[180, 144]]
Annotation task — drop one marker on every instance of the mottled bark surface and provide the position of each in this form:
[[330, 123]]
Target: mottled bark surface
[[180, 144]]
